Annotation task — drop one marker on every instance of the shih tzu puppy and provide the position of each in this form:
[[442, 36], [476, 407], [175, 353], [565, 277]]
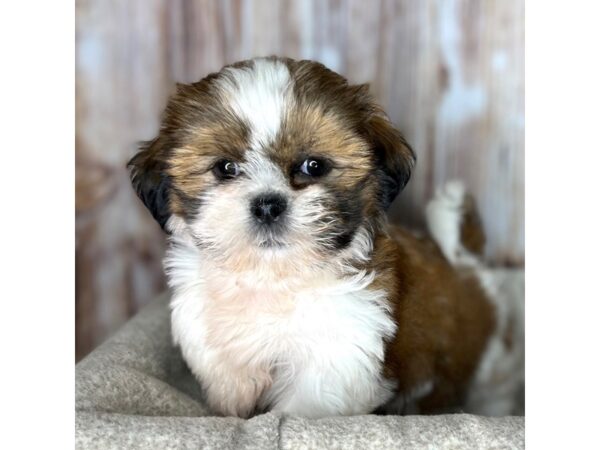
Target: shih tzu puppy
[[290, 291]]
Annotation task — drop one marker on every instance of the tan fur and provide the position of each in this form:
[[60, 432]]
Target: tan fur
[[317, 133]]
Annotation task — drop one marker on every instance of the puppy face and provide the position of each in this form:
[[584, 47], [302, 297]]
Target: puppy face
[[271, 158]]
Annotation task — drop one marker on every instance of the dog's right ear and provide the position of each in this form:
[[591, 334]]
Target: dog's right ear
[[150, 180], [394, 157]]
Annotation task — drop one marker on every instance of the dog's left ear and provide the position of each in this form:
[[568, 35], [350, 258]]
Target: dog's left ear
[[150, 181], [393, 156]]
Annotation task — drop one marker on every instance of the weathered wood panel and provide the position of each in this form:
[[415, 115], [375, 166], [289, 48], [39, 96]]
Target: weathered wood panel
[[450, 74]]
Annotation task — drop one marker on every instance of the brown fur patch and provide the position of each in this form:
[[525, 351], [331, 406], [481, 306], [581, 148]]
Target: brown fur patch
[[312, 132], [197, 129], [444, 319], [471, 230]]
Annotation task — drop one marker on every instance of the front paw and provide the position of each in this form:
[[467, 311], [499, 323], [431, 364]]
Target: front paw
[[236, 394]]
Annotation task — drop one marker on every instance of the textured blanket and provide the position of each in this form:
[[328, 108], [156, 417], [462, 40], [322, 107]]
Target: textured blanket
[[135, 391]]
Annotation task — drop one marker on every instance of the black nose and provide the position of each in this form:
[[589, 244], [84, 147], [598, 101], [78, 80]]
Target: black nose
[[268, 208]]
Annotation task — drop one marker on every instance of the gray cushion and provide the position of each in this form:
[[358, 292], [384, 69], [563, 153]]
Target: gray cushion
[[135, 391]]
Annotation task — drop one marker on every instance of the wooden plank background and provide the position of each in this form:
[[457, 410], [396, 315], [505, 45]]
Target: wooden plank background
[[449, 73]]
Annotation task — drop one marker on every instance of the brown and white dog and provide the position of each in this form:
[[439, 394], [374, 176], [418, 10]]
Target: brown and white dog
[[290, 291]]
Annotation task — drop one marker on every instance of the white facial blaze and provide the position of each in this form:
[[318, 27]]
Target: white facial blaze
[[263, 174], [260, 96]]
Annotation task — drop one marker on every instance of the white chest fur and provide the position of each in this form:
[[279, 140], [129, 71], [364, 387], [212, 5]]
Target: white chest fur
[[311, 346]]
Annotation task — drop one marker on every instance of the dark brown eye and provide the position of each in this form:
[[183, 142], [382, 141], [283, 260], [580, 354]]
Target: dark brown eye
[[314, 167], [225, 169]]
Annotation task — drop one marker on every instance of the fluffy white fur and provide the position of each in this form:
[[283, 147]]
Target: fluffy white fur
[[311, 345], [499, 377]]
